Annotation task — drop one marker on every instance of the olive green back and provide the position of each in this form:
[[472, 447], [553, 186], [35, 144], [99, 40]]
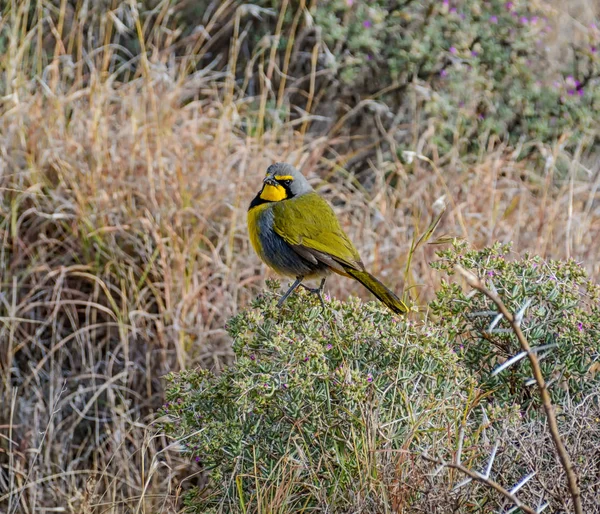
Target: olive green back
[[308, 221]]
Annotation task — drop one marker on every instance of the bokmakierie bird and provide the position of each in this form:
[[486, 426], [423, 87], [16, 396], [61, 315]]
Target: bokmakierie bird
[[296, 233]]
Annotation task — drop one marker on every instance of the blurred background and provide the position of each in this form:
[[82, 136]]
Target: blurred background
[[133, 136]]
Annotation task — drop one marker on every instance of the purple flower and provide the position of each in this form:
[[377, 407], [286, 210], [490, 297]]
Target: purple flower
[[580, 91], [329, 346], [252, 357], [494, 19], [534, 20], [349, 3], [491, 273], [524, 20], [593, 49], [509, 5], [367, 24], [570, 92], [369, 378], [443, 73], [197, 459], [474, 53], [453, 10], [481, 117], [306, 358], [453, 50], [580, 326]]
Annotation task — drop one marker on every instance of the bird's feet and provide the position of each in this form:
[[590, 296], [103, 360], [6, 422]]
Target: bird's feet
[[318, 291]]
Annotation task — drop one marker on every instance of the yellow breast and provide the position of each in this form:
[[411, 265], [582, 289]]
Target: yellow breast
[[254, 226]]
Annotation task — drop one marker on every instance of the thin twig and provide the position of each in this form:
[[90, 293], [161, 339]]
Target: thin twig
[[484, 480], [572, 479]]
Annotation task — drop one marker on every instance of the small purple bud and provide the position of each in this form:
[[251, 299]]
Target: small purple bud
[[252, 357], [443, 73], [509, 5], [369, 378], [453, 50], [453, 10], [367, 24], [494, 19], [474, 53], [197, 459], [524, 20], [570, 92]]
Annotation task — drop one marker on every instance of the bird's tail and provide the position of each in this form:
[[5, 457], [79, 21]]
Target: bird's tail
[[378, 289]]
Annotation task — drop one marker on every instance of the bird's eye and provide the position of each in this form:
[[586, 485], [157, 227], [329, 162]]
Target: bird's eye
[[286, 182]]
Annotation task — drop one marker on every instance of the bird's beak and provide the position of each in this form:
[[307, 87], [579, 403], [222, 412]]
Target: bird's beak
[[270, 180]]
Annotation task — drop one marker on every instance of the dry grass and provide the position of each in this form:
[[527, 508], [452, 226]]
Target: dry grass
[[124, 251]]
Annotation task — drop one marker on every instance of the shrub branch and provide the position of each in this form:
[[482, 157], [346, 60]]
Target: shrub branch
[[484, 480], [515, 323]]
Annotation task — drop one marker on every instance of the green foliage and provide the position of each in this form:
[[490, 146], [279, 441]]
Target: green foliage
[[562, 314], [481, 67], [316, 404], [319, 406]]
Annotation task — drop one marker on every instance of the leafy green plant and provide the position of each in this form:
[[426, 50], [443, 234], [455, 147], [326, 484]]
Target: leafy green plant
[[479, 68], [316, 405], [560, 309]]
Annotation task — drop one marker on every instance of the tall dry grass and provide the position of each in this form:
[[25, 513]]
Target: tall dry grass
[[124, 248]]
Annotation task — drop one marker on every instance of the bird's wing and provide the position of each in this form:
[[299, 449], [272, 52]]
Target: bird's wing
[[309, 225]]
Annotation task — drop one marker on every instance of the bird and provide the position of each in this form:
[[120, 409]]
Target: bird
[[296, 233]]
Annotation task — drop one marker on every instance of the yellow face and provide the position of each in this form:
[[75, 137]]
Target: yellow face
[[275, 192]]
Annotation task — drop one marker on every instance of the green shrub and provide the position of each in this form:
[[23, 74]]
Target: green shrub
[[316, 405], [479, 68], [329, 410], [562, 316]]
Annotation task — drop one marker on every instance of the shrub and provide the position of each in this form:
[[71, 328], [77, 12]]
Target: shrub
[[330, 409], [316, 406], [561, 319]]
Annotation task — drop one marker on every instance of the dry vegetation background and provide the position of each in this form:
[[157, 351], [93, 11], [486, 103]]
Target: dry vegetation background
[[124, 248]]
